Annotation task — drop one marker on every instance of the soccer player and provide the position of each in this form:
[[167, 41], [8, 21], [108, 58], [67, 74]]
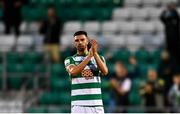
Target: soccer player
[[85, 69]]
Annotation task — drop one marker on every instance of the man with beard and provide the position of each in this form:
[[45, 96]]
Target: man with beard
[[85, 68]]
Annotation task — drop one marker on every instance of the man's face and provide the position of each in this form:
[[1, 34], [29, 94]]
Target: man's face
[[152, 74], [80, 42], [51, 12]]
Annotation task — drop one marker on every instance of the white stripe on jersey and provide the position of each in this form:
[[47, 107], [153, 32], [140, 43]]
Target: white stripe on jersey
[[87, 102], [83, 80], [85, 91]]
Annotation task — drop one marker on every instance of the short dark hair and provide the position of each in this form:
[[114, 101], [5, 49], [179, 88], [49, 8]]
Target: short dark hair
[[80, 33]]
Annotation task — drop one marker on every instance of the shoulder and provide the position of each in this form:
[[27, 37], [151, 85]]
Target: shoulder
[[68, 61]]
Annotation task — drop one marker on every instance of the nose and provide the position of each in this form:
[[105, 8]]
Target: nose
[[80, 42]]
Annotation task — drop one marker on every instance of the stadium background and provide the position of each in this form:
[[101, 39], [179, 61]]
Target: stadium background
[[31, 83]]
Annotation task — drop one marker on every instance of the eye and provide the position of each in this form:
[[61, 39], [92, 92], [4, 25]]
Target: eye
[[82, 39], [76, 40]]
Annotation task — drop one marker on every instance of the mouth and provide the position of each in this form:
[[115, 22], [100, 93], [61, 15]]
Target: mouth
[[80, 46]]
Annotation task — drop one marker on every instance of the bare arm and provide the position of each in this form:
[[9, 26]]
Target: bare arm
[[75, 70], [101, 65]]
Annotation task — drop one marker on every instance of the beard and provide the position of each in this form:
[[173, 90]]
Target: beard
[[81, 48]]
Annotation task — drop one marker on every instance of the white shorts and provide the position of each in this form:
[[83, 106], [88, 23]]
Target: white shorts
[[86, 109]]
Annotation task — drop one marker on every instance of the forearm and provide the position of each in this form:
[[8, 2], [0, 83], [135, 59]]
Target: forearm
[[77, 69], [101, 65]]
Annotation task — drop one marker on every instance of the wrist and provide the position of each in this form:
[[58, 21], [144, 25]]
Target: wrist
[[89, 56], [95, 53]]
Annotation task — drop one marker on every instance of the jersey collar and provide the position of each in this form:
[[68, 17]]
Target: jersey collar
[[84, 54]]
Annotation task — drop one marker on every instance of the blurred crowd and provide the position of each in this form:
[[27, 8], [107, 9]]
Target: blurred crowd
[[161, 88]]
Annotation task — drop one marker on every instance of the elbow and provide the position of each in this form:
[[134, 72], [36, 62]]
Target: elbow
[[73, 73]]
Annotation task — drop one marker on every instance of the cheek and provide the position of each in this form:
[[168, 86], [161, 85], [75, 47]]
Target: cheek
[[75, 44]]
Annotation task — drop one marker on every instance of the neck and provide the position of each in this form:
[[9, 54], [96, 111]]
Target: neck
[[82, 52]]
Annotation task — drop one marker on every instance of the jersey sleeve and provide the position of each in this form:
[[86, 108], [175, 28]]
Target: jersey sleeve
[[68, 61]]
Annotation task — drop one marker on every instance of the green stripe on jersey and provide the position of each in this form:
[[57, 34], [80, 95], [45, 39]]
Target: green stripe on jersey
[[85, 86], [86, 97]]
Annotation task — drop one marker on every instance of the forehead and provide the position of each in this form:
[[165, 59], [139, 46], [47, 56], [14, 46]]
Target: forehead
[[80, 37]]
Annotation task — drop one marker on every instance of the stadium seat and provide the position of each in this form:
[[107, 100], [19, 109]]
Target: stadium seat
[[29, 67], [164, 2], [144, 27], [41, 2], [72, 26], [142, 56], [14, 57], [7, 42], [64, 3], [38, 42], [127, 27], [66, 40], [113, 40], [134, 42], [155, 56], [55, 98], [150, 3], [103, 14], [32, 16], [60, 83], [134, 3], [33, 27], [118, 40], [122, 55], [21, 68], [141, 15], [65, 97], [154, 12], [15, 81], [158, 27], [50, 98], [58, 69], [109, 27], [158, 40], [106, 97], [1, 68], [120, 14], [33, 57], [36, 109], [92, 27], [24, 42], [86, 14]]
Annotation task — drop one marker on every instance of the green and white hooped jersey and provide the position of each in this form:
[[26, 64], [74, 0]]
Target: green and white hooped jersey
[[85, 92]]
